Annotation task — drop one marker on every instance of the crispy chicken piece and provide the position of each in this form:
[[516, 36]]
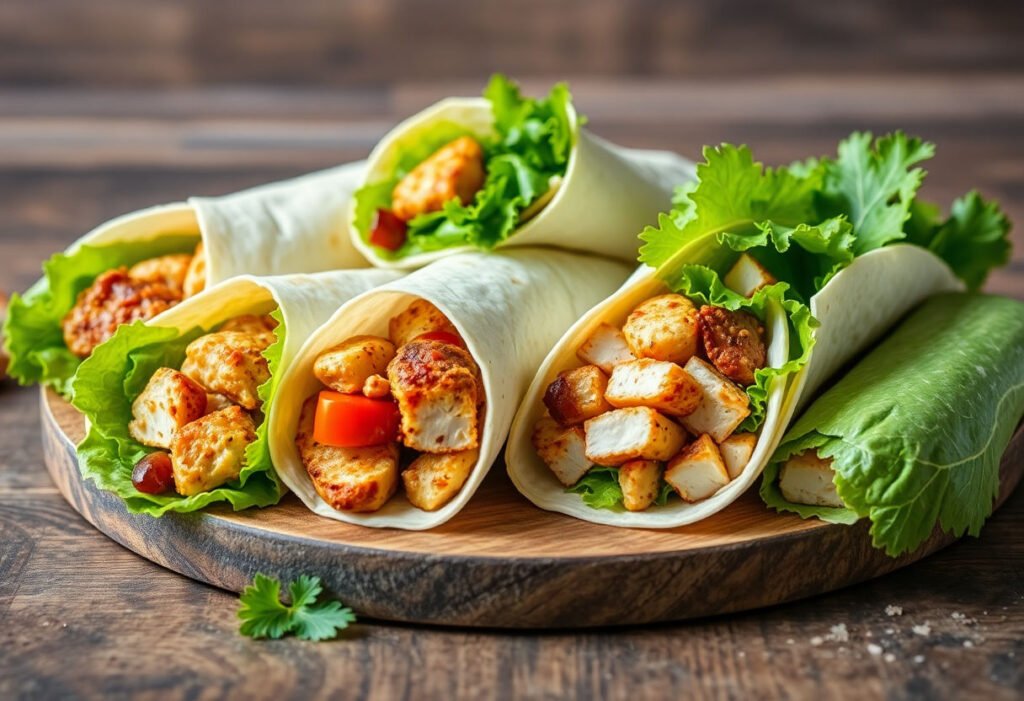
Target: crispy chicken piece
[[455, 171], [420, 317], [169, 401], [734, 342], [655, 383], [170, 270], [376, 387], [605, 348], [807, 479], [736, 451], [640, 432], [262, 327], [113, 299], [433, 480], [346, 367], [348, 479], [663, 328], [698, 471], [640, 481], [577, 395], [210, 451], [723, 406], [229, 363], [562, 449], [747, 276], [438, 389], [195, 278]]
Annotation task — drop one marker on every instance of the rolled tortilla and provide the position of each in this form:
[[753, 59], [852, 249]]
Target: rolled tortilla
[[854, 308], [113, 376], [508, 307], [608, 193]]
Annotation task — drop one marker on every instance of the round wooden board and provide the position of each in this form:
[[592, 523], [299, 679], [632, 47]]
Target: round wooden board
[[502, 562]]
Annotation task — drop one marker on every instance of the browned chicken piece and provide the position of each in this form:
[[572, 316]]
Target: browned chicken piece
[[211, 451], [577, 395], [346, 366], [376, 387], [113, 299], [195, 278], [663, 328], [734, 342], [230, 363], [262, 327], [348, 479], [640, 481], [420, 317], [438, 387], [454, 171], [170, 270], [433, 480], [169, 401]]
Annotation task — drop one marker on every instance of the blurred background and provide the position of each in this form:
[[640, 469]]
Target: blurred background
[[110, 105]]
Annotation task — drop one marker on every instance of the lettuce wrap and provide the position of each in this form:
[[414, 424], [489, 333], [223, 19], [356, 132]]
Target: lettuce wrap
[[112, 379], [912, 436]]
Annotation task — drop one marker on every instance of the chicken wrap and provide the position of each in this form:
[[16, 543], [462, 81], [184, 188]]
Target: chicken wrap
[[912, 436], [393, 412], [141, 264], [175, 406], [664, 403], [506, 170]]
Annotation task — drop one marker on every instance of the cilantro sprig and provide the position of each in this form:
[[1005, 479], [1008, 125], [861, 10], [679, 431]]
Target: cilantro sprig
[[264, 616]]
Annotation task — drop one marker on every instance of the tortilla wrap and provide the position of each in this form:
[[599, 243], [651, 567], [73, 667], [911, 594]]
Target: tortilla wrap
[[509, 308], [608, 192]]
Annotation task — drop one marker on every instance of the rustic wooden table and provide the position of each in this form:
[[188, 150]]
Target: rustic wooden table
[[80, 616]]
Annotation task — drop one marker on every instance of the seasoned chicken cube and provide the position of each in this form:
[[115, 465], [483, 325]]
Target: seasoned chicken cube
[[169, 401], [655, 383], [640, 481], [437, 387], [376, 387], [348, 365], [420, 317], [562, 449], [195, 278], [807, 479], [211, 451], [433, 480], [723, 406], [698, 471], [577, 395], [605, 348], [734, 342], [663, 328], [747, 276], [455, 171], [229, 363], [348, 479], [169, 270], [620, 435], [736, 451], [261, 327]]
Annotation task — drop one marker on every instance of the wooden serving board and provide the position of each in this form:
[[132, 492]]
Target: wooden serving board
[[501, 562]]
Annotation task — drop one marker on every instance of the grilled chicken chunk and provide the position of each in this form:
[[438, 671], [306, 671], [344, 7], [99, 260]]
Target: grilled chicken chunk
[[723, 405], [420, 317], [169, 270], [736, 451], [169, 401], [348, 479], [346, 367], [210, 451], [734, 342], [747, 276], [229, 363], [807, 479], [262, 327], [640, 481], [195, 278], [663, 328], [433, 480], [637, 433], [438, 388], [577, 395], [698, 471], [605, 348], [655, 383], [376, 387], [114, 298], [562, 449], [455, 171]]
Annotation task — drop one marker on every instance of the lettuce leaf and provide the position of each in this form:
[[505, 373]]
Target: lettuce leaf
[[34, 338], [103, 390]]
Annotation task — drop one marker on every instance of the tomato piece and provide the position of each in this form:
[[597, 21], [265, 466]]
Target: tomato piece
[[153, 473], [387, 230], [442, 337], [354, 421]]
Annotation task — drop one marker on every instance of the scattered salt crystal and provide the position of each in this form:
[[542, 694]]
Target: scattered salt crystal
[[817, 640], [889, 657], [918, 659], [924, 630], [968, 643], [890, 631], [893, 610], [839, 633], [874, 649], [741, 654], [957, 616], [790, 641]]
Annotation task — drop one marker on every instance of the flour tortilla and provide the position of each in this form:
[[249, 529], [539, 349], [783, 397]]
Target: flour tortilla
[[607, 195], [509, 307]]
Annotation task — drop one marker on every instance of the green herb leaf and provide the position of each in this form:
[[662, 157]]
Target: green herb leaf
[[264, 616], [600, 489]]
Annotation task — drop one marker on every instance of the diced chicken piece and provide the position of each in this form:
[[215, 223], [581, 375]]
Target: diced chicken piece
[[698, 471], [195, 278], [723, 406], [346, 367], [577, 395], [169, 270], [640, 481], [663, 328], [169, 401], [376, 387], [655, 383], [605, 348], [454, 171], [113, 299], [216, 402], [261, 327], [637, 433], [229, 363], [211, 451], [562, 449], [807, 479], [734, 342], [348, 479], [736, 451], [747, 276], [437, 387], [433, 480], [420, 317]]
